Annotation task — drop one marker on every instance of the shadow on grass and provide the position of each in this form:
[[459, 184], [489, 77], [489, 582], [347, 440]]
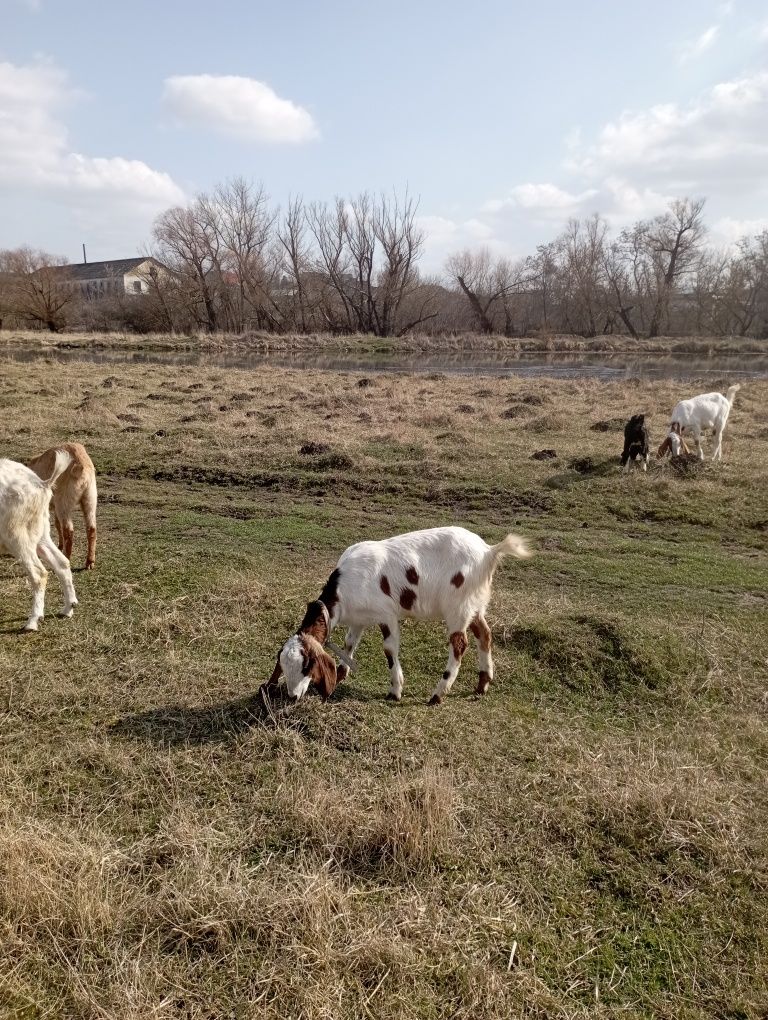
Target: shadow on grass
[[13, 625], [176, 725]]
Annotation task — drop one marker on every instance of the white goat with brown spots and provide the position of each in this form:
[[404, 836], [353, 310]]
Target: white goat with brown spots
[[437, 574], [25, 531], [76, 487]]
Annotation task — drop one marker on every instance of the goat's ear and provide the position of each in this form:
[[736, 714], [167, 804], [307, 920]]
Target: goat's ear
[[277, 672], [665, 447], [323, 673], [686, 448]]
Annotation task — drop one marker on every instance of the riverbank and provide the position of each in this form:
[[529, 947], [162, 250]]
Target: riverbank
[[366, 344]]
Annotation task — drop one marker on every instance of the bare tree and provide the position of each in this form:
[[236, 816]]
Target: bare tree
[[295, 263], [186, 241], [674, 243], [368, 249], [37, 287]]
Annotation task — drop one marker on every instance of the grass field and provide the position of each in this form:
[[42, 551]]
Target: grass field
[[588, 840]]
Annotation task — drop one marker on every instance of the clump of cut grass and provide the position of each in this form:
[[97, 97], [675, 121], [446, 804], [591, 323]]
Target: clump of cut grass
[[587, 653]]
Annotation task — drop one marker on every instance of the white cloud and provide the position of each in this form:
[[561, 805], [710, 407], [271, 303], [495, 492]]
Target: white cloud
[[445, 236], [241, 107], [728, 230], [700, 44], [721, 137], [37, 159], [545, 199]]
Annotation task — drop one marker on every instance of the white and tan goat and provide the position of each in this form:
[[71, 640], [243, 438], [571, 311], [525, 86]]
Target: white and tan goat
[[437, 574], [693, 416], [76, 487], [25, 531]]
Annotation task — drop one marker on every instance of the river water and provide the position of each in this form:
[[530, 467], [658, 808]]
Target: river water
[[598, 365]]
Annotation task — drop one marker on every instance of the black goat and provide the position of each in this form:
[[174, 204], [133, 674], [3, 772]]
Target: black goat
[[637, 442]]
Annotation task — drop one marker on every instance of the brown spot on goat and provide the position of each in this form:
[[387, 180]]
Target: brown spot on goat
[[385, 631], [384, 585], [390, 658], [407, 598], [458, 642], [482, 632], [412, 575], [457, 580]]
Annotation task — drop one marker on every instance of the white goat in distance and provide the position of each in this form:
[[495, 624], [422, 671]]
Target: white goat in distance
[[707, 411]]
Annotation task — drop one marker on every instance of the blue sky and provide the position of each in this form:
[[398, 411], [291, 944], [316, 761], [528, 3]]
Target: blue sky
[[505, 118]]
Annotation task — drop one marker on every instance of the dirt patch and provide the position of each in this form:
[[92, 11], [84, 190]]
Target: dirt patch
[[544, 455], [312, 449], [608, 425], [592, 466]]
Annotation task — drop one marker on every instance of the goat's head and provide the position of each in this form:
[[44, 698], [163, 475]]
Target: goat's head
[[306, 664], [674, 442]]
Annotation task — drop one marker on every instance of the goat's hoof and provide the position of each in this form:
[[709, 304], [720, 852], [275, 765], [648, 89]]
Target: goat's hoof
[[482, 688], [435, 700], [90, 564], [29, 628], [391, 696], [67, 614]]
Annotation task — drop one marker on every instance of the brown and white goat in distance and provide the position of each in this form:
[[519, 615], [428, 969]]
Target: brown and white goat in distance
[[693, 416], [436, 574], [25, 531], [76, 487]]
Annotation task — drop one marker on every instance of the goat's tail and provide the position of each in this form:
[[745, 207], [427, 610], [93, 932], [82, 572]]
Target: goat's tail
[[62, 460], [512, 545], [732, 391]]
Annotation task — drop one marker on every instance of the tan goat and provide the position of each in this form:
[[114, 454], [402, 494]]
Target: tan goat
[[75, 487]]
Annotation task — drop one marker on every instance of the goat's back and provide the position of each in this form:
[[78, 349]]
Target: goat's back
[[81, 465], [437, 565], [707, 410]]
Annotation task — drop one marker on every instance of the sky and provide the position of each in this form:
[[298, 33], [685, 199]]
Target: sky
[[505, 119]]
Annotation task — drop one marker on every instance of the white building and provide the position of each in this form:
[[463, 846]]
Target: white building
[[119, 276]]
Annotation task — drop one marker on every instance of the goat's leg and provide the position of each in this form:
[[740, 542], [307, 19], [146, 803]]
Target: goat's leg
[[59, 530], [37, 576], [88, 506], [482, 634], [59, 564], [699, 448], [718, 454], [391, 634], [457, 643], [351, 641]]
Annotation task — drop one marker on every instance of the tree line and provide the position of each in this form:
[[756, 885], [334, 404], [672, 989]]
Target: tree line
[[232, 262]]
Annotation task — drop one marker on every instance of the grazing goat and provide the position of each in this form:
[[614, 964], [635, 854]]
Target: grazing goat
[[76, 487], [437, 574], [707, 411], [25, 531], [637, 442]]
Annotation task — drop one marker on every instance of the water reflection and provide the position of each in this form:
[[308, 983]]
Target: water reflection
[[599, 365]]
